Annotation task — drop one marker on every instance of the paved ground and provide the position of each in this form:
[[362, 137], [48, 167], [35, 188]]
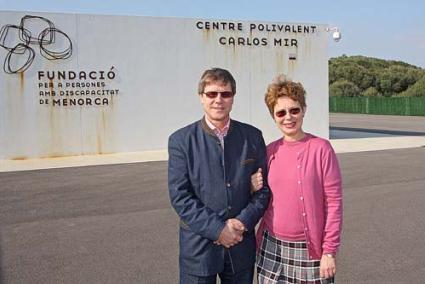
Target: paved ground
[[103, 224], [392, 124], [114, 224]]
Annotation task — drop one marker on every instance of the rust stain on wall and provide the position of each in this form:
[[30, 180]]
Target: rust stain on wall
[[55, 133], [19, 158], [111, 101], [58, 156], [206, 34], [280, 62], [99, 143], [21, 83], [104, 131], [235, 53], [103, 121], [292, 66], [101, 130], [51, 86]]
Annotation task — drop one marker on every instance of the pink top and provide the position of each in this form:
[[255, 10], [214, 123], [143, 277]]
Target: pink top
[[318, 197], [283, 177]]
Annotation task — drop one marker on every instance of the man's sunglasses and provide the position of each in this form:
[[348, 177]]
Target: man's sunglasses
[[292, 111], [224, 95]]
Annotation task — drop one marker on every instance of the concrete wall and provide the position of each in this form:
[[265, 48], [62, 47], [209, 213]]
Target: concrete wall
[[154, 66]]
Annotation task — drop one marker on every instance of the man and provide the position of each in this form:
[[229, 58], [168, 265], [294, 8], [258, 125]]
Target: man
[[209, 170]]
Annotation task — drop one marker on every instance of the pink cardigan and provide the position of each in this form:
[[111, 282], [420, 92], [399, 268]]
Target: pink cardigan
[[321, 195]]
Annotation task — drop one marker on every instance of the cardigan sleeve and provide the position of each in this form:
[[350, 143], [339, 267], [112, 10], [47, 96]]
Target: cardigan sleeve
[[332, 184], [192, 212]]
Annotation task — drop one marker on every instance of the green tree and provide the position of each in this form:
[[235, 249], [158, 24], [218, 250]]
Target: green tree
[[416, 90], [394, 80], [388, 77], [384, 84], [371, 92], [344, 88], [367, 79], [414, 75]]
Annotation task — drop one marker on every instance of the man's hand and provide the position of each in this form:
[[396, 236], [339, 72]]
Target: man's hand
[[327, 266], [231, 234], [236, 225], [257, 181]]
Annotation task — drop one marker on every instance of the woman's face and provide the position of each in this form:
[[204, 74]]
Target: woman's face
[[289, 115]]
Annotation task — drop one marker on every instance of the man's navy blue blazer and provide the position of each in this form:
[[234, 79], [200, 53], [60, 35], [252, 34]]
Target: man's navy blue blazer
[[207, 186]]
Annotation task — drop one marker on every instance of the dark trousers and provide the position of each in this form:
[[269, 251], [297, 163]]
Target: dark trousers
[[227, 276]]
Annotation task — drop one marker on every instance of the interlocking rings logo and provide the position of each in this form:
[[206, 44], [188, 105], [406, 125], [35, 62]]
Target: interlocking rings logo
[[21, 54]]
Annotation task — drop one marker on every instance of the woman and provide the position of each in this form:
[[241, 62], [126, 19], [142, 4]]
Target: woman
[[299, 234]]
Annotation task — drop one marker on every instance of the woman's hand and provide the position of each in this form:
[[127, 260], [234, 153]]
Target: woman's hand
[[257, 181], [327, 266]]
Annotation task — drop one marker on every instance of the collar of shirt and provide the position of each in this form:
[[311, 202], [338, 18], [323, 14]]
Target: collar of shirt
[[218, 132]]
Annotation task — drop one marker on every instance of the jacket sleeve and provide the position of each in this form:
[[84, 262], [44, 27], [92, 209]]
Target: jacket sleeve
[[200, 219], [332, 184], [255, 209]]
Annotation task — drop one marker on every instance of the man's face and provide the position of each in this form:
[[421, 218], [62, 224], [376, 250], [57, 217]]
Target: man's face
[[217, 109]]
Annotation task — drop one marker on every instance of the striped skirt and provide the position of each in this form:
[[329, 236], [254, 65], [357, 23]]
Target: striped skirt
[[287, 262]]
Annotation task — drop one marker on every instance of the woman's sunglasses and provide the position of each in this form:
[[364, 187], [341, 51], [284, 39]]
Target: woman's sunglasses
[[292, 111], [224, 95]]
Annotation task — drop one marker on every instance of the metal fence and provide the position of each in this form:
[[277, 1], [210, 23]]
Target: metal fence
[[380, 105]]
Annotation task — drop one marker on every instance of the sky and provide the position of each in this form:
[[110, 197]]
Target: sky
[[391, 29]]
